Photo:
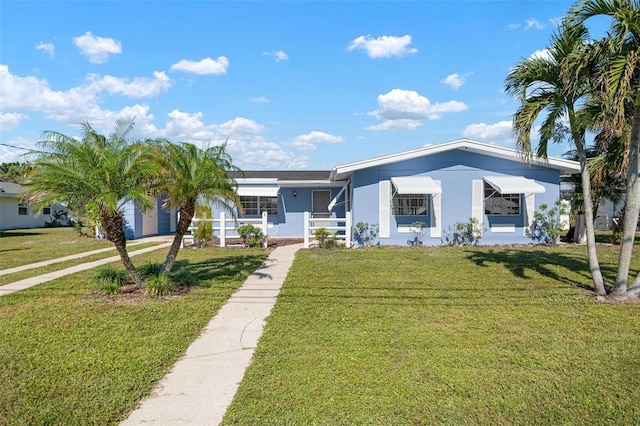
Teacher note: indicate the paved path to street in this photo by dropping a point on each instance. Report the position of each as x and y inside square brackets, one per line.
[202, 384]
[32, 281]
[71, 257]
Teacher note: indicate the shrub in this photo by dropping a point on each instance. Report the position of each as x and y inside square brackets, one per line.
[365, 234]
[161, 285]
[417, 229]
[186, 278]
[109, 279]
[326, 239]
[548, 227]
[464, 233]
[204, 227]
[150, 269]
[252, 236]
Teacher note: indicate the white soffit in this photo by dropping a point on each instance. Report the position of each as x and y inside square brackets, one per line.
[416, 185]
[258, 191]
[514, 185]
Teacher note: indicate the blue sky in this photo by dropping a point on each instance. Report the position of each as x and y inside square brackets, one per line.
[289, 85]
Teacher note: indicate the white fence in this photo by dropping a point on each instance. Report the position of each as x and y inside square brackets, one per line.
[340, 227]
[224, 227]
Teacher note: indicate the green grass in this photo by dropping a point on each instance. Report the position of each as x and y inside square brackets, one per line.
[444, 336]
[23, 246]
[70, 356]
[33, 272]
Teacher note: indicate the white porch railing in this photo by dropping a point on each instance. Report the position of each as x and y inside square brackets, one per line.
[225, 228]
[341, 227]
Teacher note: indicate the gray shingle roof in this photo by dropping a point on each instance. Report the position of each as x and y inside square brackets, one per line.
[284, 175]
[10, 187]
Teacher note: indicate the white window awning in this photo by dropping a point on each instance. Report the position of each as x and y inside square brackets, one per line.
[416, 185]
[514, 185]
[258, 190]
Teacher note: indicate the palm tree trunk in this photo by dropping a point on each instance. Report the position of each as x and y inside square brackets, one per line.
[187, 210]
[594, 265]
[630, 222]
[113, 224]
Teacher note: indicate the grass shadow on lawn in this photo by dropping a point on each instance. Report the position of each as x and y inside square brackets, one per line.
[218, 269]
[555, 264]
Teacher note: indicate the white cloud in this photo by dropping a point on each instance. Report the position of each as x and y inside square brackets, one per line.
[307, 142]
[259, 99]
[402, 124]
[139, 87]
[410, 107]
[48, 48]
[278, 55]
[96, 48]
[501, 130]
[541, 54]
[533, 23]
[239, 127]
[454, 80]
[10, 120]
[514, 26]
[205, 66]
[70, 107]
[384, 46]
[18, 151]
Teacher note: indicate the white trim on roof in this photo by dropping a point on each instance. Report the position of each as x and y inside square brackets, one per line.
[416, 185]
[564, 166]
[514, 185]
[258, 191]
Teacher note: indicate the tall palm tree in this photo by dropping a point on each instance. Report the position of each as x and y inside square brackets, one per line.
[95, 170]
[542, 86]
[623, 79]
[191, 175]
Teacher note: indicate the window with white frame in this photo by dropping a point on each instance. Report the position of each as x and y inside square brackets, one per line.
[410, 204]
[23, 209]
[496, 203]
[254, 205]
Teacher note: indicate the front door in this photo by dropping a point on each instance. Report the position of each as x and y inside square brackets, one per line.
[320, 206]
[150, 220]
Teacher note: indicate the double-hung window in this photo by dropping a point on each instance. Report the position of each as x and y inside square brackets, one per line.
[23, 209]
[254, 205]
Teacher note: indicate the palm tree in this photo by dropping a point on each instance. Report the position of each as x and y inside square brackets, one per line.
[542, 85]
[190, 176]
[622, 76]
[103, 172]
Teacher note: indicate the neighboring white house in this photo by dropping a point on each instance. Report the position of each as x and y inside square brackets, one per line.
[16, 213]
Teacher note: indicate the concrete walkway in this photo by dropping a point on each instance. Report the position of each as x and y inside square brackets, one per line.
[201, 385]
[33, 281]
[78, 255]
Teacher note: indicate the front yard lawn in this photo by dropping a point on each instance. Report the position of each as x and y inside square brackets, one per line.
[23, 246]
[69, 356]
[444, 336]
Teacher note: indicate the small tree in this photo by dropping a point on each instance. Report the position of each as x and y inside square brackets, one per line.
[365, 234]
[417, 229]
[464, 233]
[204, 229]
[548, 226]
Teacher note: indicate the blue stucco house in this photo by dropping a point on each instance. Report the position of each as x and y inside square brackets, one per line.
[437, 185]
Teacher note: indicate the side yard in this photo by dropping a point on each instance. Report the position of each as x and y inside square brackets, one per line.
[444, 336]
